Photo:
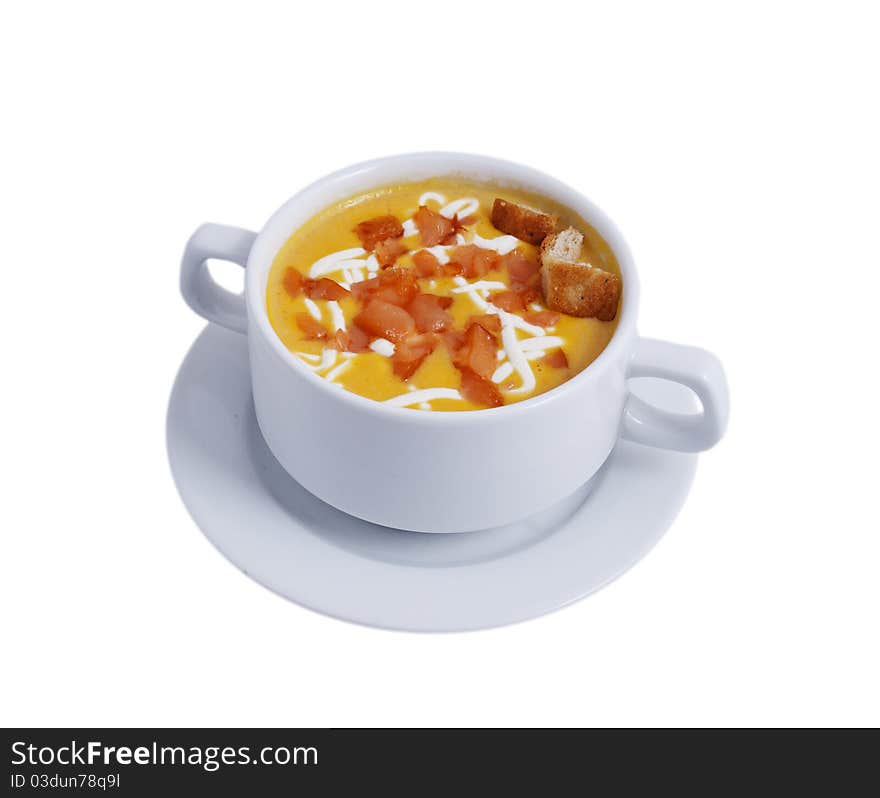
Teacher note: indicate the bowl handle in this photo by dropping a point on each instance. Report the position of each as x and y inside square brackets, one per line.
[697, 369]
[201, 293]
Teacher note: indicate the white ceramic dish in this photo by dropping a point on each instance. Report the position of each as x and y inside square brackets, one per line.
[453, 471]
[301, 548]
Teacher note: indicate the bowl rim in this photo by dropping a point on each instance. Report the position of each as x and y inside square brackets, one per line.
[265, 249]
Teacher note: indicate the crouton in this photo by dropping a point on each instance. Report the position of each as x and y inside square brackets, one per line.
[567, 244]
[573, 286]
[525, 223]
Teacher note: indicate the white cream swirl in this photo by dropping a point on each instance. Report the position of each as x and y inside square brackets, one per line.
[356, 264]
[423, 395]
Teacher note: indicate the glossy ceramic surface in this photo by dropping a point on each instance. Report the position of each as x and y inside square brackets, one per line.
[279, 534]
[434, 471]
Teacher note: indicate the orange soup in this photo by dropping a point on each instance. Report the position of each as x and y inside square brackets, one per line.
[410, 295]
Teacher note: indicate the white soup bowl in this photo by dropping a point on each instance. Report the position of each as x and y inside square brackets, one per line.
[446, 471]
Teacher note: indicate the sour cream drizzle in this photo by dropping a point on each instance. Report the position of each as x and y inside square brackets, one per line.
[424, 395]
[313, 309]
[517, 359]
[334, 373]
[541, 342]
[336, 261]
[440, 252]
[513, 347]
[516, 321]
[501, 244]
[382, 346]
[460, 207]
[432, 195]
[328, 358]
[356, 264]
[337, 316]
[502, 372]
[481, 285]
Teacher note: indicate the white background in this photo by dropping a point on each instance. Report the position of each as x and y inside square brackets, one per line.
[738, 152]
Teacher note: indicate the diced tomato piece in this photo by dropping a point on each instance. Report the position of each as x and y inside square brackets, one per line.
[433, 227]
[325, 288]
[364, 289]
[478, 353]
[457, 226]
[389, 250]
[426, 263]
[311, 328]
[430, 312]
[508, 300]
[464, 255]
[358, 340]
[522, 269]
[529, 293]
[454, 340]
[479, 390]
[475, 261]
[451, 269]
[292, 282]
[485, 262]
[352, 340]
[490, 322]
[390, 294]
[397, 285]
[411, 353]
[556, 359]
[372, 231]
[382, 319]
[542, 318]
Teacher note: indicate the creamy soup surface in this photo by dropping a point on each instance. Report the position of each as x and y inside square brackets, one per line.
[454, 324]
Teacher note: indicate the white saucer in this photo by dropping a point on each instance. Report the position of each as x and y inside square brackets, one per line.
[294, 544]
